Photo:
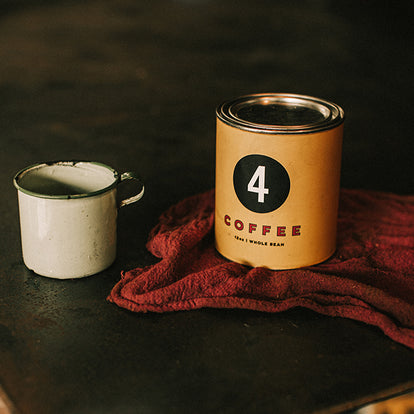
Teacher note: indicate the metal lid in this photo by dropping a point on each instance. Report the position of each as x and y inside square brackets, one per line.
[279, 113]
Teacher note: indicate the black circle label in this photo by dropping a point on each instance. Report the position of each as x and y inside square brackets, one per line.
[261, 183]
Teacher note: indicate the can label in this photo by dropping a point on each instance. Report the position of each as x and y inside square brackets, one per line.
[261, 183]
[276, 195]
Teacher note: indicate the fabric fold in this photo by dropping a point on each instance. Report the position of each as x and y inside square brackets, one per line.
[370, 278]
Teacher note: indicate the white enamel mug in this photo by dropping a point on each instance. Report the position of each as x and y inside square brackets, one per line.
[68, 213]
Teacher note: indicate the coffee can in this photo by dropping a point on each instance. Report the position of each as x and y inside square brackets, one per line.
[278, 162]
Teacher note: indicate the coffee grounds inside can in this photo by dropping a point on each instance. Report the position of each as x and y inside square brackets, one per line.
[278, 160]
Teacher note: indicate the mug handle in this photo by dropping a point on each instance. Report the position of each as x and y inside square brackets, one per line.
[131, 176]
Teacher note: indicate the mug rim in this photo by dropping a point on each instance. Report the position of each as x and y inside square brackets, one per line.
[72, 163]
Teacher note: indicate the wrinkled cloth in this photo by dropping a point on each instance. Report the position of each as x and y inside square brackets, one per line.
[370, 278]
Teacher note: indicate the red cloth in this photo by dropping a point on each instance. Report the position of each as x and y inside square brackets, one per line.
[370, 278]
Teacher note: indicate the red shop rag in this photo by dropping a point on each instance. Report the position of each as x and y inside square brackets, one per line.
[370, 278]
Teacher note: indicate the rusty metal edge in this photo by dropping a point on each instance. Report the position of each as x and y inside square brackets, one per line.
[6, 406]
[371, 399]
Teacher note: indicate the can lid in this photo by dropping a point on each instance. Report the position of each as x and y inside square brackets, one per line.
[279, 113]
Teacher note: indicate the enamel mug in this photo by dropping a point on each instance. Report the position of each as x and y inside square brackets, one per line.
[68, 213]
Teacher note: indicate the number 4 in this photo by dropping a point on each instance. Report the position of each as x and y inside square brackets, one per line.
[259, 178]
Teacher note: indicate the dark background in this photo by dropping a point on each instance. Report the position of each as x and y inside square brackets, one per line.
[135, 84]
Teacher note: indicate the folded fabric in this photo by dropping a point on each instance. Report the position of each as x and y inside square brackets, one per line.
[370, 278]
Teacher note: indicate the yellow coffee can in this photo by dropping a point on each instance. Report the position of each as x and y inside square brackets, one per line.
[278, 163]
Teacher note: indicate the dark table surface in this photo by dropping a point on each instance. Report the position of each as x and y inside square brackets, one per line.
[135, 84]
